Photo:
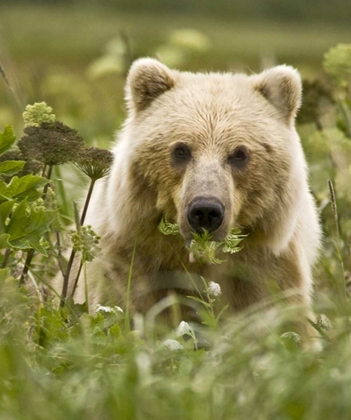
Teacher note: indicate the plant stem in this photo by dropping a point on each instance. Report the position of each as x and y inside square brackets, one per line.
[129, 283]
[6, 257]
[66, 278]
[77, 278]
[73, 252]
[26, 266]
[43, 171]
[87, 201]
[30, 254]
[47, 185]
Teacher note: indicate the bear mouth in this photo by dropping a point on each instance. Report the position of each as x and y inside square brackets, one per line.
[203, 248]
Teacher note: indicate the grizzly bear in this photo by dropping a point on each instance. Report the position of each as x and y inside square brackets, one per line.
[208, 151]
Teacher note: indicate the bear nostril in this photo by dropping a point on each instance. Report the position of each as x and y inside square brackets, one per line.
[205, 213]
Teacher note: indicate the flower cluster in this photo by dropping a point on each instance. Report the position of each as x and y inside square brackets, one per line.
[292, 337]
[173, 345]
[51, 143]
[86, 241]
[37, 114]
[214, 289]
[323, 322]
[94, 162]
[108, 309]
[184, 329]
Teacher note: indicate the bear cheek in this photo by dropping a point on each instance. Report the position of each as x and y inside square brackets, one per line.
[169, 202]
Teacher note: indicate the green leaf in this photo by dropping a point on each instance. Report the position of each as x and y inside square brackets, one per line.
[11, 167]
[7, 139]
[4, 274]
[197, 299]
[76, 216]
[4, 241]
[114, 331]
[168, 228]
[26, 186]
[5, 210]
[26, 227]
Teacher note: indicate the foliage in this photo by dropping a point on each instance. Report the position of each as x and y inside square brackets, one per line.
[337, 63]
[202, 249]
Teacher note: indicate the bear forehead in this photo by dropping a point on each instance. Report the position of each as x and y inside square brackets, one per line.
[217, 107]
[225, 101]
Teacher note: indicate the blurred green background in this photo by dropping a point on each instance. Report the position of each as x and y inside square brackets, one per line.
[75, 54]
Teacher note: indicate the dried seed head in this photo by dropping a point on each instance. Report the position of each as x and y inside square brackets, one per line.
[313, 93]
[51, 143]
[94, 162]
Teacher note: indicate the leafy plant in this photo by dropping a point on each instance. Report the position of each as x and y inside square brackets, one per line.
[202, 249]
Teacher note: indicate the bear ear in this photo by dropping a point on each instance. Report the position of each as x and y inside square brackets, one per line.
[282, 87]
[147, 80]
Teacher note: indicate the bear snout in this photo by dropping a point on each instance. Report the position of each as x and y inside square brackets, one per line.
[205, 213]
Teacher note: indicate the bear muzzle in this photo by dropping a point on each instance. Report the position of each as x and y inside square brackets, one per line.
[205, 213]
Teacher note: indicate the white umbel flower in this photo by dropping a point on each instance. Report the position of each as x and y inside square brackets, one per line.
[184, 329]
[108, 309]
[214, 289]
[292, 336]
[173, 345]
[323, 322]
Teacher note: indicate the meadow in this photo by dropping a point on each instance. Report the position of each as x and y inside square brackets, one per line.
[63, 362]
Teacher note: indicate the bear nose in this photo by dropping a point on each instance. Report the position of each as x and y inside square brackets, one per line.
[205, 213]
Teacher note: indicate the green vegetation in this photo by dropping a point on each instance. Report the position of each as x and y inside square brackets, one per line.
[62, 362]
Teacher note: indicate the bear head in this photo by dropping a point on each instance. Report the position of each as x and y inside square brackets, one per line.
[217, 151]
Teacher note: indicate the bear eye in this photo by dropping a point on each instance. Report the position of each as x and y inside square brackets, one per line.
[181, 152]
[239, 156]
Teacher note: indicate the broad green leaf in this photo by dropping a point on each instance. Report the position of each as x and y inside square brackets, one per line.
[7, 138]
[27, 227]
[11, 167]
[4, 243]
[4, 274]
[114, 331]
[26, 186]
[5, 210]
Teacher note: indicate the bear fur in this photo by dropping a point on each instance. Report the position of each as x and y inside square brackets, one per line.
[225, 137]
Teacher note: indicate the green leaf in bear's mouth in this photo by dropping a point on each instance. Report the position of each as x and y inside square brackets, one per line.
[202, 248]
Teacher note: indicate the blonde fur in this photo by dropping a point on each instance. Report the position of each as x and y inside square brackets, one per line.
[270, 199]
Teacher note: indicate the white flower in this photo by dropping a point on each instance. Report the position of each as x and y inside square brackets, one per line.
[323, 322]
[214, 289]
[108, 309]
[292, 336]
[172, 345]
[184, 328]
[18, 270]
